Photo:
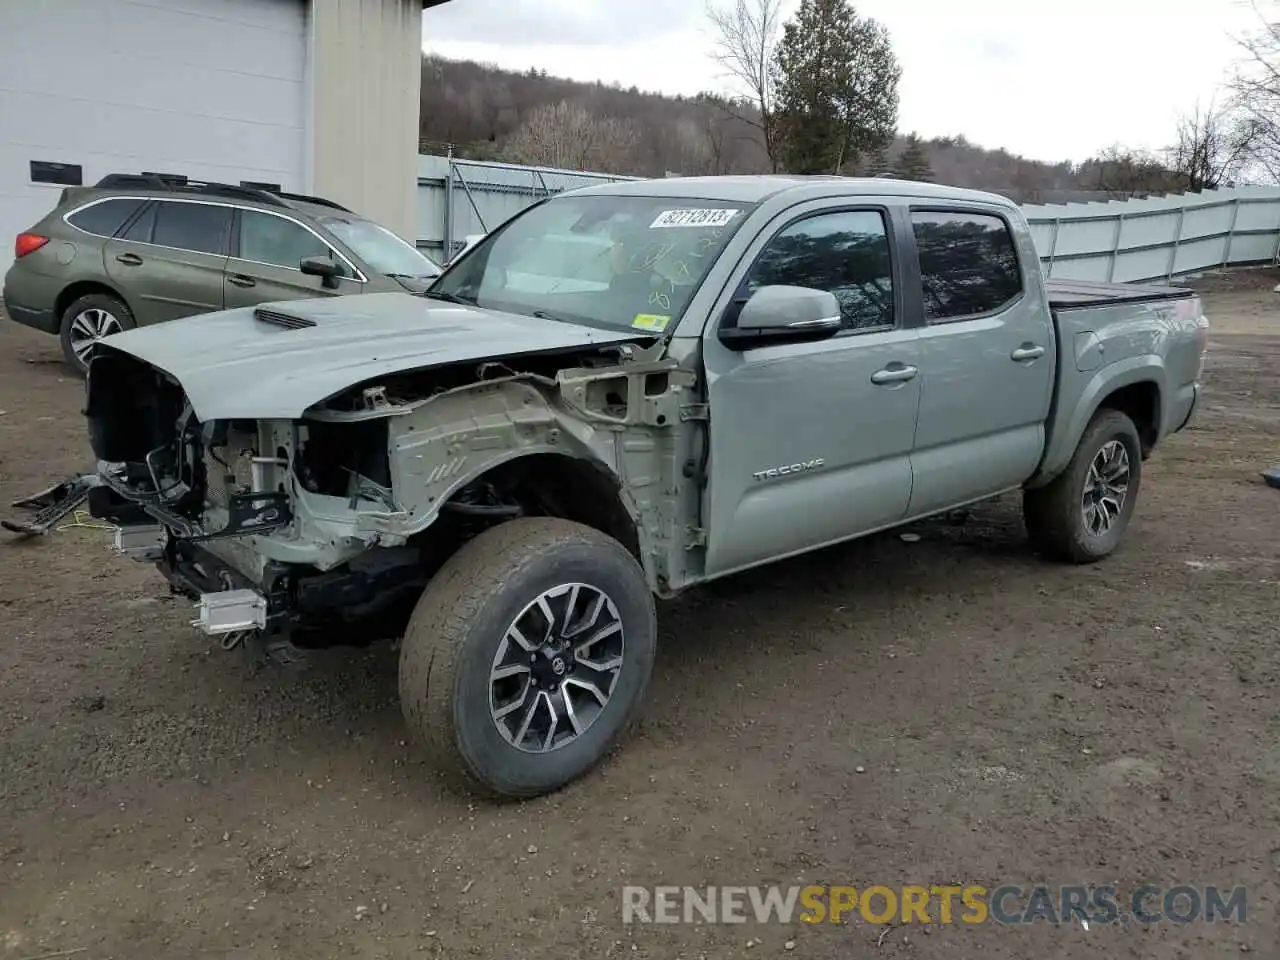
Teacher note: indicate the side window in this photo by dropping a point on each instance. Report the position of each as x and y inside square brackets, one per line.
[968, 263]
[105, 218]
[140, 229]
[269, 239]
[845, 253]
[199, 227]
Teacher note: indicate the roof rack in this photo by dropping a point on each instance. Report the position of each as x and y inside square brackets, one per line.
[175, 183]
[319, 201]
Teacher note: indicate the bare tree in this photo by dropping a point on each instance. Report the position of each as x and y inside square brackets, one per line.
[690, 147]
[746, 34]
[566, 135]
[1214, 146]
[1255, 88]
[1121, 172]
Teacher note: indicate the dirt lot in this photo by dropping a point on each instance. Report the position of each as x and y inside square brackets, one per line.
[951, 710]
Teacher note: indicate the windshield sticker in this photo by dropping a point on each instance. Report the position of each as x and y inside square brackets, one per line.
[693, 218]
[655, 322]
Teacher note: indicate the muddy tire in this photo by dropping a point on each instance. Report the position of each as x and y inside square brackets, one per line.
[1082, 515]
[527, 656]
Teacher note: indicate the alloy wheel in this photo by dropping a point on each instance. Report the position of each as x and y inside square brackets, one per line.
[87, 330]
[1105, 487]
[556, 667]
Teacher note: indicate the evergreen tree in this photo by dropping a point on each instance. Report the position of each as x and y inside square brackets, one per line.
[913, 162]
[876, 162]
[837, 87]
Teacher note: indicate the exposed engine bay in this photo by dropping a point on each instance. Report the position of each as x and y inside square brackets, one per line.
[344, 514]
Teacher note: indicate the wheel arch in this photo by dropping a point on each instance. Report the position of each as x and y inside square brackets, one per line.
[575, 488]
[83, 288]
[1135, 387]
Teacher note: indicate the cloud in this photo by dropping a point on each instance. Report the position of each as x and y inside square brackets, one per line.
[533, 23]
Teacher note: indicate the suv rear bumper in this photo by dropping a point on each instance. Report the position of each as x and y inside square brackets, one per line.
[42, 320]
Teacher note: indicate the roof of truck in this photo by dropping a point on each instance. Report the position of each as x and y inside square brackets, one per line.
[759, 187]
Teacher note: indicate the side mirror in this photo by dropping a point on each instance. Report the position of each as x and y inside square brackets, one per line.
[783, 314]
[329, 271]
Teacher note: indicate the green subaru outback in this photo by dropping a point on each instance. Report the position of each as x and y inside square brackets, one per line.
[134, 250]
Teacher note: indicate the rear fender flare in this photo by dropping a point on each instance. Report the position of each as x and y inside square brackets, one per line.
[1063, 438]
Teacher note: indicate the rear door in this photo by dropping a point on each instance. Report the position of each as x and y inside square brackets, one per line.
[170, 260]
[987, 355]
[267, 251]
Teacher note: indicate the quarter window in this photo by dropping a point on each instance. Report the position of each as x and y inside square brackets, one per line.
[199, 227]
[105, 218]
[140, 230]
[269, 239]
[845, 253]
[968, 264]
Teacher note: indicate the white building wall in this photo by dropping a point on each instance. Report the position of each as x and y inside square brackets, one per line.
[213, 89]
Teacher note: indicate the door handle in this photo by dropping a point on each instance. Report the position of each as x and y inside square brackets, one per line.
[240, 280]
[1027, 352]
[131, 259]
[894, 373]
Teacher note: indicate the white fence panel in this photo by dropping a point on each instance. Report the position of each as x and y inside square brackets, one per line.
[1157, 238]
[1119, 240]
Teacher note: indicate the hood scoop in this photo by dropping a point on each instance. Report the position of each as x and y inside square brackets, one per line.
[279, 319]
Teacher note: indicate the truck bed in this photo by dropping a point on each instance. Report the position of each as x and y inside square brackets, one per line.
[1066, 294]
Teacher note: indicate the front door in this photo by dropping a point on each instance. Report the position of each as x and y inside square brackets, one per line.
[171, 258]
[987, 355]
[265, 258]
[811, 442]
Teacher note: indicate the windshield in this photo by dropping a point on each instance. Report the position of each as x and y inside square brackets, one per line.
[603, 261]
[381, 249]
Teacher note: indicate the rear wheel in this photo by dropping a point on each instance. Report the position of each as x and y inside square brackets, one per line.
[527, 656]
[86, 322]
[1082, 515]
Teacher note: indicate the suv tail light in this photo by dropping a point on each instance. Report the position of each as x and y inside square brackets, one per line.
[27, 243]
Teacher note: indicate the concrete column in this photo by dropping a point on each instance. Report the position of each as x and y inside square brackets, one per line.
[364, 73]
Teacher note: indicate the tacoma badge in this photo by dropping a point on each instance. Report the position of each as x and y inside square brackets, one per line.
[774, 472]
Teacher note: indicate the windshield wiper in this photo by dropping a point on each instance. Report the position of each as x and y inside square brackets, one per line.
[449, 298]
[544, 315]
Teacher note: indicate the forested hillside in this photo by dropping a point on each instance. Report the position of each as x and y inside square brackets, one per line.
[487, 113]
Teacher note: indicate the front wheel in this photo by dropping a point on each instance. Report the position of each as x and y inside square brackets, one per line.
[1082, 515]
[527, 655]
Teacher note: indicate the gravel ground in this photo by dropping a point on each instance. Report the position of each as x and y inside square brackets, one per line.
[950, 710]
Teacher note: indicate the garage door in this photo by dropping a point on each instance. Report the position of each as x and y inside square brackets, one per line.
[213, 89]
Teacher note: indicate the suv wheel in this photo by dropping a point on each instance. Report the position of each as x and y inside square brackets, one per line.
[527, 656]
[86, 321]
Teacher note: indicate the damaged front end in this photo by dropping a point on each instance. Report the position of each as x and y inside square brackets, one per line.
[307, 527]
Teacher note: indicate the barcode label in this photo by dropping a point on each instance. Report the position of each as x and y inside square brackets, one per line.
[693, 218]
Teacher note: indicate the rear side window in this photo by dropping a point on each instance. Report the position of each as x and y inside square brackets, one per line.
[199, 227]
[968, 264]
[105, 218]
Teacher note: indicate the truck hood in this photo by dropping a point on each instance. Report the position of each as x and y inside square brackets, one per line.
[233, 365]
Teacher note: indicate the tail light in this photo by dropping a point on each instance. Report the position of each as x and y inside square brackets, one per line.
[27, 243]
[1202, 341]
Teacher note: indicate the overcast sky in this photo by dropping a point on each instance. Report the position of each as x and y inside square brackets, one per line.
[1050, 79]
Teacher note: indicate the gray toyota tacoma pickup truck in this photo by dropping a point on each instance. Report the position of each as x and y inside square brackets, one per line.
[621, 393]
